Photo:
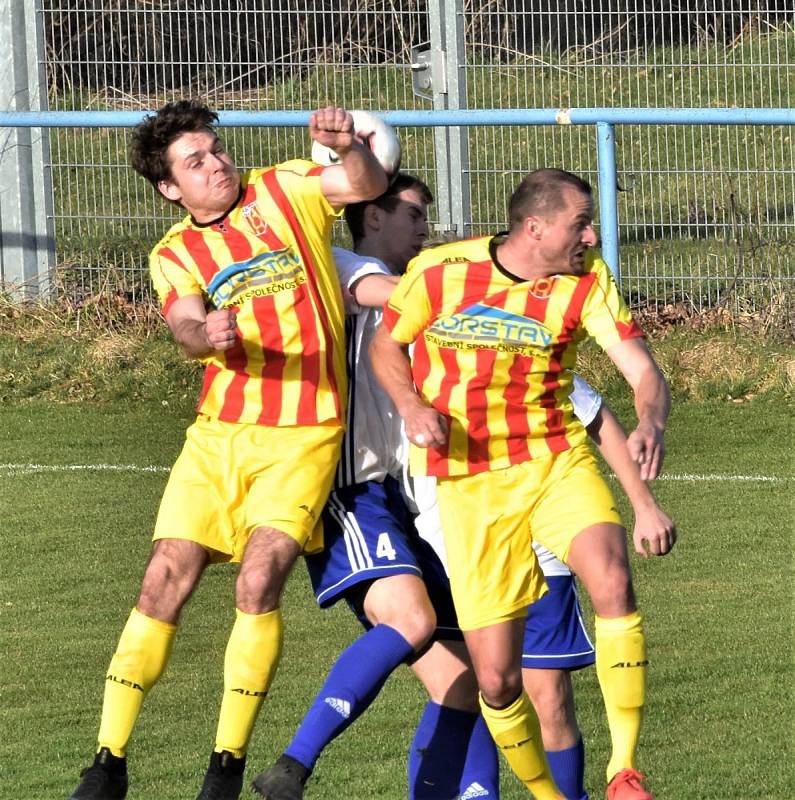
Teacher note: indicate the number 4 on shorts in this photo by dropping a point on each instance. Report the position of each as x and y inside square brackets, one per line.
[384, 547]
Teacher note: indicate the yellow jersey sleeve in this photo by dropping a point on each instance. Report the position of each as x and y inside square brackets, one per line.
[408, 312]
[605, 314]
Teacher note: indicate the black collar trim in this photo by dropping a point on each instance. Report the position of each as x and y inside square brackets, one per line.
[222, 217]
[494, 242]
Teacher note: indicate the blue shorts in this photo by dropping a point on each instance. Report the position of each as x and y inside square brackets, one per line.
[554, 635]
[369, 533]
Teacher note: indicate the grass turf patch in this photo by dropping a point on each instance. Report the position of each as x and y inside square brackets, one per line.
[76, 544]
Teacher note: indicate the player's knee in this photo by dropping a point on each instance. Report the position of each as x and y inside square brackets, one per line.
[614, 595]
[169, 579]
[258, 593]
[497, 688]
[415, 624]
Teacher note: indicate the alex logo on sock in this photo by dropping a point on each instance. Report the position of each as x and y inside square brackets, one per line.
[628, 664]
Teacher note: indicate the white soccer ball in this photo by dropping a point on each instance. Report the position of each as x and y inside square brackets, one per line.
[372, 132]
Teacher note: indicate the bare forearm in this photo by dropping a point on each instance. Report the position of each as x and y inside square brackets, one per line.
[652, 399]
[392, 368]
[366, 177]
[612, 442]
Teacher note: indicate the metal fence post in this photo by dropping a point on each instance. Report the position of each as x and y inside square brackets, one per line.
[27, 242]
[608, 196]
[457, 99]
[448, 69]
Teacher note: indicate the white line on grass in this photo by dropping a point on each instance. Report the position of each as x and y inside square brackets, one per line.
[24, 469]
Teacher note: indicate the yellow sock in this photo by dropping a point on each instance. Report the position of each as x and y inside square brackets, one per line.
[516, 731]
[139, 660]
[252, 655]
[621, 668]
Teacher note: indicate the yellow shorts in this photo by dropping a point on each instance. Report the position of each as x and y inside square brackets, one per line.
[491, 519]
[232, 478]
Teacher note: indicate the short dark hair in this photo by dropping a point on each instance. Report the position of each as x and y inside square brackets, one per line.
[354, 213]
[541, 194]
[151, 137]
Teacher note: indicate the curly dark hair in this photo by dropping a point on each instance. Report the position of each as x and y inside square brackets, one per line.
[354, 213]
[541, 194]
[151, 137]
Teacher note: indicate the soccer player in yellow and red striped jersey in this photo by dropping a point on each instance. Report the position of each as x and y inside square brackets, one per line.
[248, 286]
[496, 323]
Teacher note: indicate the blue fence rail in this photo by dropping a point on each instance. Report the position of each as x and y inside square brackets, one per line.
[605, 120]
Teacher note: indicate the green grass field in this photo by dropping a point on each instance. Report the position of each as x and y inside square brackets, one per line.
[718, 618]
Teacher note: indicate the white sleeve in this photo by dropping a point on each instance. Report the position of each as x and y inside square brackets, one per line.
[586, 401]
[350, 268]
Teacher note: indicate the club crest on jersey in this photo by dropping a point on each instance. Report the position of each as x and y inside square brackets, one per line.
[542, 287]
[254, 219]
[263, 275]
[486, 327]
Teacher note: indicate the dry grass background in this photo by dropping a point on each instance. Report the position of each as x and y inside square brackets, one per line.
[107, 349]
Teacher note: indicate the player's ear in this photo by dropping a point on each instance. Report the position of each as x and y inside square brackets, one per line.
[532, 227]
[373, 217]
[169, 190]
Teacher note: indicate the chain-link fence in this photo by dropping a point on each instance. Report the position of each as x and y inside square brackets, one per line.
[707, 213]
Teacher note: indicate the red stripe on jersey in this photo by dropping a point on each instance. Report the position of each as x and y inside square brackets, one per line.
[434, 288]
[274, 359]
[235, 359]
[515, 396]
[629, 330]
[438, 463]
[200, 253]
[310, 357]
[171, 298]
[573, 313]
[309, 368]
[477, 410]
[555, 436]
[210, 371]
[239, 246]
[167, 252]
[478, 277]
[420, 364]
[315, 171]
[536, 307]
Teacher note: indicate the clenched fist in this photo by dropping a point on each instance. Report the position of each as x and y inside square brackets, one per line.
[221, 329]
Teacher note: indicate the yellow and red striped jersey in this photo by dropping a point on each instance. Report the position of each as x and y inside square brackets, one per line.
[269, 260]
[494, 354]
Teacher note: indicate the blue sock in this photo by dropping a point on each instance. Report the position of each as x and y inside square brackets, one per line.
[352, 684]
[452, 754]
[568, 770]
[482, 768]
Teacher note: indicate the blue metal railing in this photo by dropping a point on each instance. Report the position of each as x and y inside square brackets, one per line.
[605, 120]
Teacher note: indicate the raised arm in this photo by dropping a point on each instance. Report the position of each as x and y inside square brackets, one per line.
[198, 331]
[389, 360]
[652, 524]
[358, 176]
[652, 404]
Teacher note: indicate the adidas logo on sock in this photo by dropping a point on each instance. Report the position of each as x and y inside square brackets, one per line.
[342, 707]
[474, 790]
